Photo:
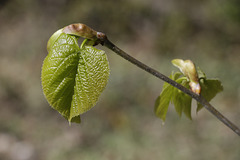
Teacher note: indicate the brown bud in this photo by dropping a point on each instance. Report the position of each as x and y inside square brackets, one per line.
[81, 30]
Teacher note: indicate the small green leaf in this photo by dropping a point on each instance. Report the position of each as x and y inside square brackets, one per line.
[162, 102]
[72, 77]
[177, 100]
[210, 88]
[182, 101]
[176, 75]
[187, 101]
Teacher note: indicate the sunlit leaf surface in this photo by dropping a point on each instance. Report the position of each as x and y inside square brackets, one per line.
[73, 78]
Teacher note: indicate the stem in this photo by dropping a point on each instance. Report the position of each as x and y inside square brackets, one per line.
[104, 41]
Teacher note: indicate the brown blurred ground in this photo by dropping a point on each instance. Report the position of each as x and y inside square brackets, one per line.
[122, 126]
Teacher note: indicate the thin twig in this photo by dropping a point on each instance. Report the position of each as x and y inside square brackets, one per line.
[105, 42]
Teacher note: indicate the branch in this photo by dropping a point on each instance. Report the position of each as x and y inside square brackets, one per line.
[105, 42]
[98, 37]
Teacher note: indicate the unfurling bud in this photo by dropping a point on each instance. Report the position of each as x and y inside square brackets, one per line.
[81, 30]
[188, 68]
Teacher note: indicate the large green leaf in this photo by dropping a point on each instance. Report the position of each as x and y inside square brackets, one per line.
[72, 77]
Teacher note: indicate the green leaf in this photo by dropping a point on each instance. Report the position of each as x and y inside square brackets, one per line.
[176, 75]
[73, 78]
[187, 101]
[182, 101]
[177, 100]
[162, 102]
[209, 89]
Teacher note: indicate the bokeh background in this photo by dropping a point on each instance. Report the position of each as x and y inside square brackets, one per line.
[122, 126]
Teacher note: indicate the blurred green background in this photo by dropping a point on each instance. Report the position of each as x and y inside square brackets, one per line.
[122, 126]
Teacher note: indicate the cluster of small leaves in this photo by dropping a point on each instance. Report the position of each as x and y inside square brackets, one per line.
[181, 101]
[73, 77]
